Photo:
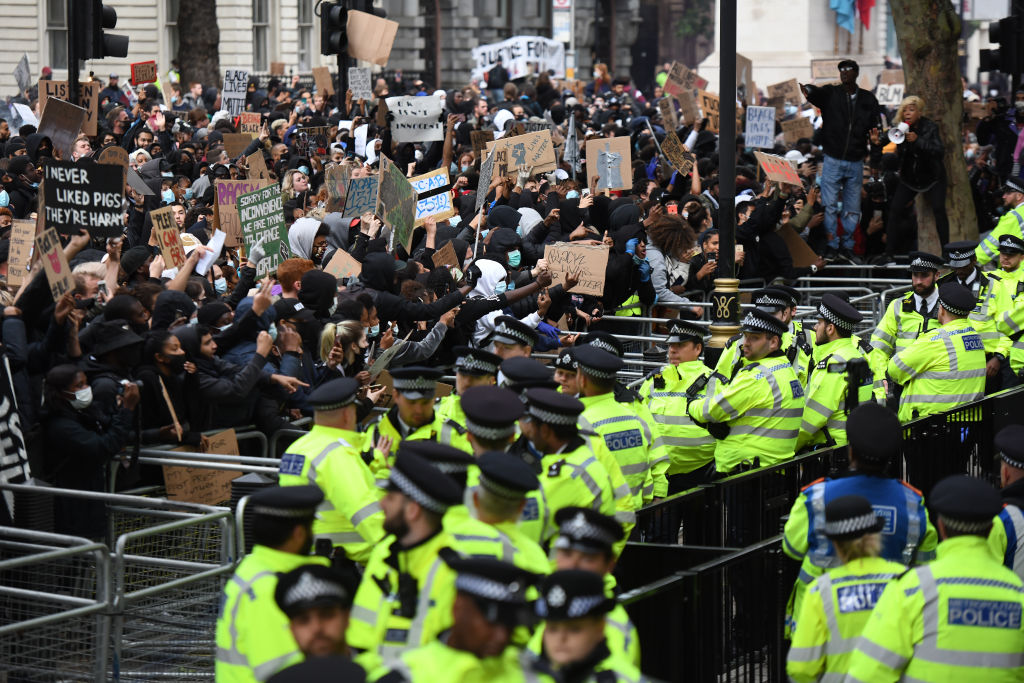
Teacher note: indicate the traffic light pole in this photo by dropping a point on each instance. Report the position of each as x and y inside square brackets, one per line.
[73, 51]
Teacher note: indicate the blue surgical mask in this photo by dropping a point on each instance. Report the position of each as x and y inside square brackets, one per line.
[500, 287]
[514, 258]
[304, 169]
[5, 198]
[167, 174]
[483, 233]
[790, 109]
[511, 286]
[465, 168]
[572, 194]
[373, 331]
[453, 168]
[167, 196]
[272, 331]
[33, 184]
[188, 193]
[223, 328]
[220, 285]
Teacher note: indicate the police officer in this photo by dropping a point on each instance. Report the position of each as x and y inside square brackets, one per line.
[512, 338]
[490, 603]
[690, 447]
[606, 341]
[1012, 222]
[253, 637]
[839, 381]
[473, 368]
[769, 300]
[322, 670]
[756, 417]
[956, 618]
[840, 601]
[961, 258]
[334, 455]
[628, 437]
[521, 373]
[405, 597]
[1007, 537]
[490, 416]
[909, 316]
[908, 536]
[574, 608]
[944, 368]
[797, 344]
[1005, 303]
[317, 603]
[565, 373]
[572, 474]
[413, 415]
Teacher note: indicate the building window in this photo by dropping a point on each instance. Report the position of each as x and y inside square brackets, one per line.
[171, 22]
[57, 33]
[305, 26]
[260, 34]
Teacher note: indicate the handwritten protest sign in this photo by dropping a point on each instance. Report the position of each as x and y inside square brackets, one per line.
[680, 79]
[226, 211]
[745, 88]
[709, 105]
[486, 174]
[88, 97]
[83, 195]
[342, 266]
[61, 123]
[250, 122]
[323, 81]
[480, 138]
[590, 261]
[777, 103]
[610, 159]
[337, 186]
[889, 95]
[688, 107]
[778, 169]
[232, 95]
[668, 113]
[521, 55]
[359, 83]
[261, 215]
[434, 197]
[794, 129]
[370, 37]
[168, 237]
[677, 153]
[201, 485]
[143, 72]
[825, 69]
[890, 76]
[445, 256]
[235, 143]
[114, 155]
[522, 152]
[417, 119]
[362, 196]
[277, 68]
[257, 166]
[313, 139]
[790, 90]
[396, 203]
[760, 129]
[23, 235]
[58, 274]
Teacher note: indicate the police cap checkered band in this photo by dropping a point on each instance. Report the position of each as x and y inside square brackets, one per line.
[474, 364]
[952, 308]
[964, 526]
[1011, 243]
[414, 384]
[309, 589]
[596, 372]
[508, 334]
[577, 528]
[551, 417]
[852, 525]
[922, 261]
[833, 317]
[490, 432]
[604, 345]
[286, 513]
[1010, 444]
[489, 589]
[500, 490]
[682, 331]
[763, 323]
[579, 605]
[1013, 185]
[771, 300]
[957, 299]
[960, 253]
[1012, 461]
[409, 488]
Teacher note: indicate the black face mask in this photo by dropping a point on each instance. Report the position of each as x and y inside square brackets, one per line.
[177, 363]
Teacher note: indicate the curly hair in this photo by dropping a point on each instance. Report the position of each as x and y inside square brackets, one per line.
[673, 236]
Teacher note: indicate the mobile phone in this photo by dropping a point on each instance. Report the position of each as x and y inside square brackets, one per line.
[585, 191]
[672, 209]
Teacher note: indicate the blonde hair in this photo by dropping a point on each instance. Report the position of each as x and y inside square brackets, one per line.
[288, 184]
[909, 99]
[343, 333]
[868, 545]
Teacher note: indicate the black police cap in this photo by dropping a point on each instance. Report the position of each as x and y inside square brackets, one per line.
[1011, 243]
[334, 394]
[684, 331]
[308, 586]
[597, 362]
[1010, 442]
[771, 299]
[419, 480]
[287, 502]
[415, 382]
[923, 262]
[476, 362]
[765, 323]
[849, 517]
[332, 669]
[838, 312]
[966, 504]
[565, 361]
[957, 299]
[587, 530]
[491, 411]
[960, 253]
[572, 594]
[1013, 185]
[505, 475]
[550, 407]
[490, 579]
[448, 459]
[874, 433]
[792, 294]
[509, 330]
[602, 340]
[521, 373]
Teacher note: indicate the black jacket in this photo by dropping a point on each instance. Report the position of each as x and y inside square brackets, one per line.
[921, 160]
[845, 124]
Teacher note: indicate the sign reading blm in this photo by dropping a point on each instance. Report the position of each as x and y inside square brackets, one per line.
[83, 195]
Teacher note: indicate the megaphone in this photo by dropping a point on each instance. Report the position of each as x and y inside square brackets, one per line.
[898, 134]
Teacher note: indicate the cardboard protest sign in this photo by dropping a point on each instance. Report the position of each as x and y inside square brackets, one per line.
[114, 155]
[777, 103]
[417, 119]
[88, 97]
[235, 143]
[313, 139]
[199, 484]
[83, 195]
[486, 174]
[745, 88]
[226, 211]
[668, 113]
[23, 236]
[802, 254]
[250, 122]
[680, 79]
[688, 107]
[825, 69]
[23, 73]
[434, 197]
[480, 138]
[610, 159]
[232, 95]
[362, 196]
[709, 106]
[778, 169]
[343, 266]
[521, 56]
[323, 81]
[58, 273]
[167, 236]
[677, 153]
[143, 72]
[889, 95]
[794, 129]
[760, 128]
[337, 187]
[62, 122]
[522, 152]
[277, 68]
[257, 166]
[396, 204]
[790, 90]
[891, 76]
[359, 83]
[261, 215]
[445, 256]
[369, 37]
[590, 261]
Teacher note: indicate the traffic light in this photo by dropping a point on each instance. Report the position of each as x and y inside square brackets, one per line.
[333, 17]
[89, 19]
[1007, 58]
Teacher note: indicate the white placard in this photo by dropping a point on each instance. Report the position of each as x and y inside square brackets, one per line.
[760, 130]
[518, 53]
[889, 95]
[232, 95]
[417, 119]
[360, 83]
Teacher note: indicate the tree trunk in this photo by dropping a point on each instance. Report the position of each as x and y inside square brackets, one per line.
[198, 42]
[928, 31]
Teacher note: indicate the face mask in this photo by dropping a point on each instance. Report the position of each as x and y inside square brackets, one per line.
[188, 193]
[572, 194]
[465, 168]
[500, 287]
[514, 257]
[790, 109]
[5, 199]
[373, 331]
[484, 233]
[220, 285]
[304, 169]
[193, 321]
[511, 286]
[224, 328]
[33, 184]
[452, 168]
[272, 331]
[167, 174]
[418, 155]
[177, 363]
[167, 196]
[597, 74]
[83, 399]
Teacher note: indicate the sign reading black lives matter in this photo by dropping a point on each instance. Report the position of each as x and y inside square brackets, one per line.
[233, 93]
[84, 195]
